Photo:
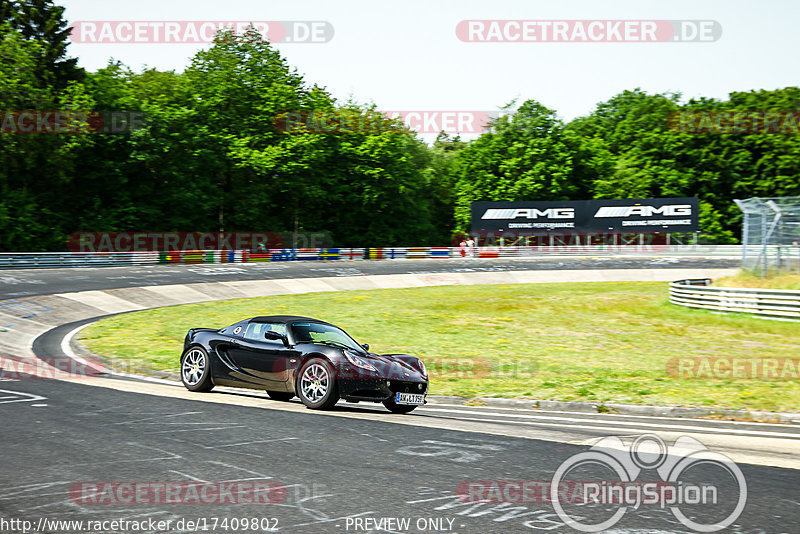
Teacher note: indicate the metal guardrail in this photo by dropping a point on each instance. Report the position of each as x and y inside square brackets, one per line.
[43, 260]
[50, 260]
[387, 253]
[774, 303]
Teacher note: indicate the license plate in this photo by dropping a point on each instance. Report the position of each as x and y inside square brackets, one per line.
[409, 398]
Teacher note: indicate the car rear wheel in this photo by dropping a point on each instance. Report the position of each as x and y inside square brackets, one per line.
[280, 395]
[398, 408]
[317, 386]
[196, 370]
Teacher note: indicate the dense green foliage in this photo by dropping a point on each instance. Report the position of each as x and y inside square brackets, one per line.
[626, 148]
[210, 155]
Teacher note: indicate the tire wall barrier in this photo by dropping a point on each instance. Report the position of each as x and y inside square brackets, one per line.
[37, 260]
[774, 303]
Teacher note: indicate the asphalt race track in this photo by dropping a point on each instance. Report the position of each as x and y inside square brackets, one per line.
[356, 468]
[332, 468]
[25, 283]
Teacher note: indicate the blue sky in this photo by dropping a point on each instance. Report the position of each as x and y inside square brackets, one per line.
[406, 56]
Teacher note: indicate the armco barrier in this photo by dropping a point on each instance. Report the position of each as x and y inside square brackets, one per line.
[697, 293]
[304, 254]
[389, 253]
[44, 260]
[37, 260]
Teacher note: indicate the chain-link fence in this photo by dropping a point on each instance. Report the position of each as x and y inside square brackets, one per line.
[770, 234]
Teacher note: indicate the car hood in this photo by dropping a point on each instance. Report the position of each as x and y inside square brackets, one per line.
[389, 366]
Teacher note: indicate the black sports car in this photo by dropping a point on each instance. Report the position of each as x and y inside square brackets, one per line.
[288, 355]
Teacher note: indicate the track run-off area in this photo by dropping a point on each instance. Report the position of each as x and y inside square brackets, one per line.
[345, 470]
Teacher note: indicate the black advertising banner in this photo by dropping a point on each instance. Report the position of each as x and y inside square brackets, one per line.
[639, 215]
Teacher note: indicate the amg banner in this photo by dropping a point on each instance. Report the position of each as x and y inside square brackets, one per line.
[639, 215]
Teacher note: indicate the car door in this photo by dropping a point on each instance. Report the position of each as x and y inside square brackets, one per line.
[263, 362]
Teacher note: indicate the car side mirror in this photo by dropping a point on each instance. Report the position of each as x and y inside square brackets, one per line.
[366, 346]
[275, 336]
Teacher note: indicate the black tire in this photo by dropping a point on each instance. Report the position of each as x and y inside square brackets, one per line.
[196, 369]
[398, 408]
[280, 395]
[316, 384]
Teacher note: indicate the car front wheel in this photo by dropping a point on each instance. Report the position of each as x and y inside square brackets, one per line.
[317, 387]
[196, 370]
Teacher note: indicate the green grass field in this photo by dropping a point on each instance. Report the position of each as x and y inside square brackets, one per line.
[598, 342]
[749, 279]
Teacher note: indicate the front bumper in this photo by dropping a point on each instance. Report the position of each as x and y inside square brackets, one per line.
[378, 389]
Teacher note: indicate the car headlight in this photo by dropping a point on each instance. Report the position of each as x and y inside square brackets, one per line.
[423, 368]
[358, 361]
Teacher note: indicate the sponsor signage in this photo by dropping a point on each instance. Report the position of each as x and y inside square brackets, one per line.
[640, 215]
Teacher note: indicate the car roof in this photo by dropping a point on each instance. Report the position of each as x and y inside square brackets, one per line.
[285, 319]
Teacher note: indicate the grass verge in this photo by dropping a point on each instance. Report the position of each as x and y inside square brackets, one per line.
[597, 342]
[749, 279]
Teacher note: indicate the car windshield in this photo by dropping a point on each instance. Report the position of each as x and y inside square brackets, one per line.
[325, 334]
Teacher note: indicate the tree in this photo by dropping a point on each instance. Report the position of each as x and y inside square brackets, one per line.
[441, 182]
[525, 156]
[33, 167]
[212, 152]
[237, 88]
[43, 21]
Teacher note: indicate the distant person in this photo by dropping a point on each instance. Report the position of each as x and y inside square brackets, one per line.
[471, 247]
[463, 248]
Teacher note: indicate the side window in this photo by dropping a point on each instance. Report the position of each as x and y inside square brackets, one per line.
[302, 332]
[255, 331]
